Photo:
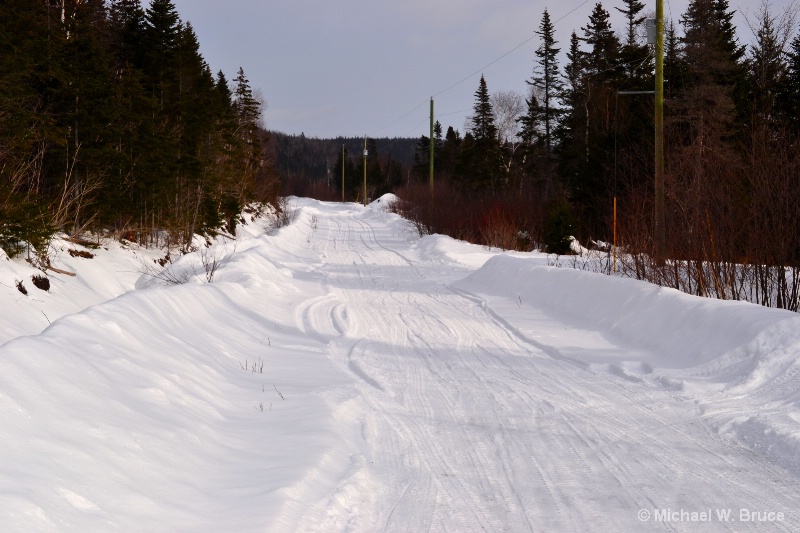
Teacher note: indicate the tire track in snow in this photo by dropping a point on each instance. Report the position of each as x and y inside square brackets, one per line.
[478, 427]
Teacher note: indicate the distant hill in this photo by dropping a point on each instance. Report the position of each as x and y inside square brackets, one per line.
[298, 156]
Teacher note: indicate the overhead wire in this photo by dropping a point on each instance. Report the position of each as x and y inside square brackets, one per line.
[520, 45]
[456, 84]
[405, 135]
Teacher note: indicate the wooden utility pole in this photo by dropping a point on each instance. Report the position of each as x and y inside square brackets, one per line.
[660, 224]
[342, 173]
[365, 171]
[431, 150]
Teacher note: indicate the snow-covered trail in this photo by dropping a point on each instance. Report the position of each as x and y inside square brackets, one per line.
[341, 374]
[460, 421]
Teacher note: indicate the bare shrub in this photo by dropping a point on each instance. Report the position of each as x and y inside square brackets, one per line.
[733, 222]
[285, 214]
[509, 219]
[497, 228]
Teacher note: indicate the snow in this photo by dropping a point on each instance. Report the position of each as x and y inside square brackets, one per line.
[342, 374]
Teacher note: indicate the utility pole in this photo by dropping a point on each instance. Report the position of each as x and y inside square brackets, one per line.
[660, 229]
[365, 171]
[432, 147]
[342, 173]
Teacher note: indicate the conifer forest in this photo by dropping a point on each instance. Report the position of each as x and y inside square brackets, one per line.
[112, 121]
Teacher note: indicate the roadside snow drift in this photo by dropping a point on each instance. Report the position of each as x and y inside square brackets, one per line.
[342, 374]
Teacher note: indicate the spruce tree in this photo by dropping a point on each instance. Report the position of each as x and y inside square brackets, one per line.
[247, 110]
[483, 159]
[110, 116]
[28, 74]
[84, 105]
[714, 78]
[127, 23]
[588, 154]
[451, 150]
[603, 58]
[546, 78]
[530, 122]
[422, 152]
[482, 124]
[572, 131]
[790, 89]
[633, 54]
[631, 11]
[160, 40]
[767, 67]
[674, 64]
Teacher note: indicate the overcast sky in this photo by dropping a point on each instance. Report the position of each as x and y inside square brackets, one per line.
[368, 67]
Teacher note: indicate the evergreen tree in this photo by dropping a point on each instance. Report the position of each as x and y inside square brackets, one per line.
[533, 153]
[546, 78]
[633, 54]
[247, 110]
[767, 67]
[437, 140]
[160, 41]
[111, 118]
[586, 153]
[603, 58]
[674, 64]
[482, 122]
[790, 89]
[422, 157]
[530, 123]
[483, 162]
[714, 77]
[127, 24]
[573, 131]
[83, 104]
[27, 77]
[422, 152]
[451, 152]
[631, 11]
[421, 166]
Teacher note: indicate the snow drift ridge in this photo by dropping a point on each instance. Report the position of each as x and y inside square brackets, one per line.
[677, 330]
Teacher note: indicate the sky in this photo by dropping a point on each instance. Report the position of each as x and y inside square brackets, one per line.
[369, 67]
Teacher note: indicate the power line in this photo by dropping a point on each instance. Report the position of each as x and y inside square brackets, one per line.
[397, 139]
[520, 45]
[452, 113]
[398, 120]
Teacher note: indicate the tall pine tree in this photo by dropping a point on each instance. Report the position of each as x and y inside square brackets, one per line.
[482, 162]
[546, 78]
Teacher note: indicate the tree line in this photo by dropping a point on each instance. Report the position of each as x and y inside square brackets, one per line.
[549, 164]
[113, 121]
[314, 167]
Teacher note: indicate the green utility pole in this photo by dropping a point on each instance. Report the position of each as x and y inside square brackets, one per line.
[432, 146]
[660, 229]
[342, 173]
[365, 171]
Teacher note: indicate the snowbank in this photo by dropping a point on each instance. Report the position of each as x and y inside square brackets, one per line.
[100, 273]
[384, 202]
[676, 329]
[334, 376]
[729, 357]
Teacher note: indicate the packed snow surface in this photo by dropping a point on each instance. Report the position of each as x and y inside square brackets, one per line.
[342, 374]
